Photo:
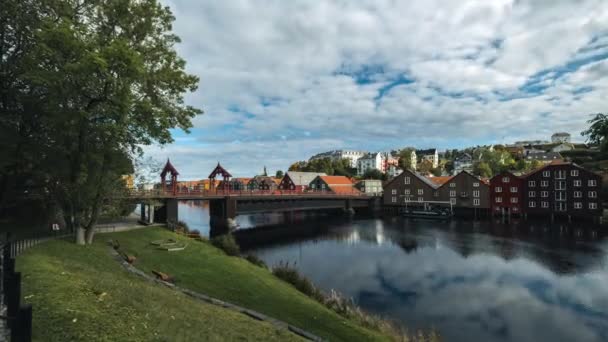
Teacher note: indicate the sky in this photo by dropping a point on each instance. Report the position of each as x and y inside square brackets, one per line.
[283, 80]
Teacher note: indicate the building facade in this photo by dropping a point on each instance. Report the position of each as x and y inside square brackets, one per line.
[563, 189]
[334, 184]
[298, 181]
[409, 189]
[463, 163]
[371, 161]
[506, 194]
[465, 190]
[370, 186]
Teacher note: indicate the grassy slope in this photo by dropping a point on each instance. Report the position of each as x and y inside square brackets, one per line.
[203, 268]
[66, 283]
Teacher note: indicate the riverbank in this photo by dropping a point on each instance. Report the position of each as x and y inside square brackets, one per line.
[82, 294]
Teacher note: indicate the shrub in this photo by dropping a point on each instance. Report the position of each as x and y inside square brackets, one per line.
[290, 274]
[183, 225]
[226, 243]
[256, 261]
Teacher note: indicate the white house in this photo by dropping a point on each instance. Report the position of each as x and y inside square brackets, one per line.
[563, 147]
[393, 171]
[430, 154]
[351, 155]
[560, 137]
[371, 161]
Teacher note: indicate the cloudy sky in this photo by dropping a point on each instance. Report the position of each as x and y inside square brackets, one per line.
[282, 80]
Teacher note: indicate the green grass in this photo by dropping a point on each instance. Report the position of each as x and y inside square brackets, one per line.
[206, 269]
[83, 294]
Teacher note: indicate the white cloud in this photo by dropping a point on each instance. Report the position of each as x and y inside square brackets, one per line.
[289, 68]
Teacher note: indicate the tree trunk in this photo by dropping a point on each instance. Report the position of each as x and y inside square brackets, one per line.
[90, 233]
[80, 236]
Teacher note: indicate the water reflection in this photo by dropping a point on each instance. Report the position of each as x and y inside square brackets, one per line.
[473, 281]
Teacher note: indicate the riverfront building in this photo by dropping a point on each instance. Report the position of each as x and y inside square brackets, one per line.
[466, 191]
[298, 181]
[506, 194]
[334, 184]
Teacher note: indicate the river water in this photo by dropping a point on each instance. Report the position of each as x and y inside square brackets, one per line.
[471, 281]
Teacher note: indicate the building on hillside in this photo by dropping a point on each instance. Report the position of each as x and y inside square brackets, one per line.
[506, 194]
[371, 161]
[531, 142]
[561, 188]
[463, 163]
[298, 181]
[351, 155]
[560, 137]
[465, 191]
[370, 187]
[544, 157]
[563, 147]
[516, 152]
[431, 155]
[334, 184]
[389, 159]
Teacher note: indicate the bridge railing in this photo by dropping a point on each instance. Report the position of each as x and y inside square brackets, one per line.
[241, 193]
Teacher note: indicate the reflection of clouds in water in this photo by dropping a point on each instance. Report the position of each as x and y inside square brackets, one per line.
[479, 297]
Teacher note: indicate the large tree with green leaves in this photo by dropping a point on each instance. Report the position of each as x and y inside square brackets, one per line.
[101, 79]
[597, 133]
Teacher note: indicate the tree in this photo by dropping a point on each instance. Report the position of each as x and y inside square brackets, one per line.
[482, 169]
[597, 133]
[425, 167]
[96, 81]
[279, 174]
[373, 174]
[405, 159]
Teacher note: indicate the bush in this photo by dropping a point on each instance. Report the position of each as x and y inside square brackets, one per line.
[256, 261]
[183, 225]
[290, 274]
[226, 243]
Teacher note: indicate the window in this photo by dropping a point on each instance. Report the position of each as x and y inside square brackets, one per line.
[420, 191]
[544, 204]
[546, 173]
[323, 187]
[475, 193]
[592, 194]
[560, 206]
[577, 182]
[452, 201]
[498, 199]
[476, 201]
[592, 182]
[419, 199]
[578, 205]
[498, 189]
[452, 185]
[544, 194]
[532, 204]
[407, 180]
[560, 196]
[574, 173]
[531, 193]
[394, 199]
[560, 185]
[476, 185]
[452, 193]
[406, 191]
[592, 205]
[514, 200]
[531, 184]
[578, 194]
[505, 179]
[513, 189]
[394, 191]
[544, 184]
[560, 174]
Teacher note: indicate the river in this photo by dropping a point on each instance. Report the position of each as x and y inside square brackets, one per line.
[470, 280]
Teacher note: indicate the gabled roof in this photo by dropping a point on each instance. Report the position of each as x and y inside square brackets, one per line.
[336, 180]
[169, 169]
[303, 178]
[427, 151]
[556, 163]
[219, 170]
[415, 174]
[440, 180]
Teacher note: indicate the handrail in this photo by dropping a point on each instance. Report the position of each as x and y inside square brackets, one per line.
[242, 193]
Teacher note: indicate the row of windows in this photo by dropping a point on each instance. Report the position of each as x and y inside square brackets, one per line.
[561, 206]
[576, 182]
[576, 194]
[513, 200]
[499, 189]
[476, 201]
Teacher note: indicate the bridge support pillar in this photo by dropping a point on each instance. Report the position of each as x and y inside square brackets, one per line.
[171, 210]
[147, 213]
[348, 207]
[222, 213]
